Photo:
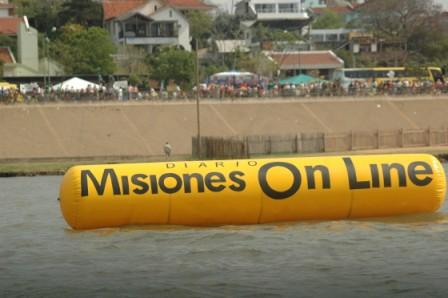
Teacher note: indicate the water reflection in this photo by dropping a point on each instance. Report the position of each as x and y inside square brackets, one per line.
[376, 257]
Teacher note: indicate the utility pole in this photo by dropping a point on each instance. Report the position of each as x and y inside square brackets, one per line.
[198, 117]
[46, 73]
[48, 64]
[47, 42]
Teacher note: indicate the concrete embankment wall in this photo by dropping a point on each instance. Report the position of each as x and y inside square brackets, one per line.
[78, 130]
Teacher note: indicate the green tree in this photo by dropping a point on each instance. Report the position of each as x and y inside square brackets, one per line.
[132, 60]
[200, 26]
[84, 50]
[84, 12]
[329, 20]
[10, 42]
[397, 19]
[211, 69]
[429, 46]
[356, 60]
[410, 25]
[226, 26]
[263, 33]
[173, 64]
[42, 14]
[257, 63]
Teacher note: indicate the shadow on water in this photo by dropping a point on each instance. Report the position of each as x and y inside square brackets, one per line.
[424, 218]
[411, 220]
[167, 228]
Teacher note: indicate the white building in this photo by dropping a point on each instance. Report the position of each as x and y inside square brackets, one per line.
[285, 15]
[6, 8]
[150, 23]
[331, 36]
[275, 13]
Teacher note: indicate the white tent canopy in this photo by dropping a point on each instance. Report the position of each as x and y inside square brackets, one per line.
[75, 84]
[232, 74]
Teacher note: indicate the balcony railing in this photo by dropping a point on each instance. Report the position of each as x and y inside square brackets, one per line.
[132, 34]
[288, 10]
[266, 10]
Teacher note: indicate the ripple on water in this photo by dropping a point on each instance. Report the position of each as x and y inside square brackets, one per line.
[41, 257]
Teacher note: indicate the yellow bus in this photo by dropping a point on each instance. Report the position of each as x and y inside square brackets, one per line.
[380, 74]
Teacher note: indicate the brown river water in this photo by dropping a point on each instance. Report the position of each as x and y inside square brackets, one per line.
[41, 257]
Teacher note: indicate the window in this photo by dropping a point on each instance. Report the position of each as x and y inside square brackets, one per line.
[317, 37]
[163, 30]
[265, 8]
[141, 30]
[130, 30]
[359, 74]
[288, 7]
[332, 37]
[155, 30]
[136, 29]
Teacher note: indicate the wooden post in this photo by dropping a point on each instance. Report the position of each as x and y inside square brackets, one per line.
[429, 132]
[401, 138]
[294, 144]
[297, 143]
[269, 145]
[325, 142]
[352, 141]
[378, 139]
[444, 133]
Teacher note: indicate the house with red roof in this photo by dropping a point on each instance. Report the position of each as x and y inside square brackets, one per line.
[6, 9]
[8, 21]
[26, 62]
[6, 55]
[150, 23]
[9, 25]
[324, 63]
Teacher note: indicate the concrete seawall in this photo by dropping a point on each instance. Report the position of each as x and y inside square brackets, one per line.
[77, 130]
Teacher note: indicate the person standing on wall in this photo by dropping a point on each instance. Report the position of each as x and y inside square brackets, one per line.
[167, 149]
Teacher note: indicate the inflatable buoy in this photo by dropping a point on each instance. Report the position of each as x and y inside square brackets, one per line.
[207, 193]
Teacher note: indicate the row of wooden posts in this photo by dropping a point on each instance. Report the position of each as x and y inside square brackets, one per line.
[247, 146]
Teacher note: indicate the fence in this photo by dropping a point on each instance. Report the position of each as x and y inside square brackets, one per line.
[241, 147]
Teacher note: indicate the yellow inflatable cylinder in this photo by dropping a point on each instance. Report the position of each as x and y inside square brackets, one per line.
[208, 193]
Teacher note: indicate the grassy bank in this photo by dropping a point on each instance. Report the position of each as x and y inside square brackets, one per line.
[18, 168]
[37, 168]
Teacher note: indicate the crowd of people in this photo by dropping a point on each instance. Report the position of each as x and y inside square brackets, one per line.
[364, 88]
[232, 91]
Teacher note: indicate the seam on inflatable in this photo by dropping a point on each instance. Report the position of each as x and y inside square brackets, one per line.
[349, 215]
[442, 183]
[261, 209]
[77, 196]
[168, 219]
